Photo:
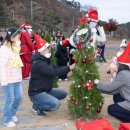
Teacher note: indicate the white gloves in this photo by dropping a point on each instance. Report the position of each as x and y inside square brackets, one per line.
[96, 81]
[72, 50]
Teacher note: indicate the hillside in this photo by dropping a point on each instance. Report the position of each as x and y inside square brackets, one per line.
[46, 14]
[123, 31]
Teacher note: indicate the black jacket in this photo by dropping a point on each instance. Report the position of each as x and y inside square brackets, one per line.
[62, 53]
[42, 73]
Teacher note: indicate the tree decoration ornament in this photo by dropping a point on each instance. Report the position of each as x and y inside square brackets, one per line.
[86, 97]
[79, 45]
[74, 58]
[76, 103]
[87, 36]
[87, 84]
[91, 40]
[102, 102]
[73, 82]
[91, 62]
[86, 71]
[90, 104]
[87, 107]
[79, 86]
[92, 55]
[83, 20]
[98, 110]
[89, 59]
[73, 99]
[89, 47]
[84, 85]
[84, 61]
[90, 86]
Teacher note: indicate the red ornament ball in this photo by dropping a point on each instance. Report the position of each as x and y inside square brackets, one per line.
[87, 107]
[73, 98]
[89, 59]
[84, 61]
[91, 63]
[98, 110]
[102, 102]
[91, 40]
[76, 103]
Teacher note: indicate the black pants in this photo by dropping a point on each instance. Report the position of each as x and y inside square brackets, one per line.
[62, 63]
[118, 111]
[102, 53]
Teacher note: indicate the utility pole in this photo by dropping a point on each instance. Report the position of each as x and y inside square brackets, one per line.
[31, 10]
[73, 22]
[13, 12]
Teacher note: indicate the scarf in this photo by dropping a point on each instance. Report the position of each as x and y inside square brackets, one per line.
[15, 59]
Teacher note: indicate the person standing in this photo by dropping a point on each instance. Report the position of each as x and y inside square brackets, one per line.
[11, 76]
[62, 58]
[100, 52]
[27, 48]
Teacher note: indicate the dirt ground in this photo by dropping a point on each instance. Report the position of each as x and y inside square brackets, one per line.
[61, 117]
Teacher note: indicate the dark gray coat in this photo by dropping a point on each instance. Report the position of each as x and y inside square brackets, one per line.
[121, 85]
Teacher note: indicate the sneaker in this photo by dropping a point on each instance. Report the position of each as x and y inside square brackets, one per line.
[66, 79]
[15, 119]
[59, 79]
[10, 124]
[37, 112]
[105, 64]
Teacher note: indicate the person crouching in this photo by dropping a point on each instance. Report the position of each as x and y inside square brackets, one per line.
[41, 92]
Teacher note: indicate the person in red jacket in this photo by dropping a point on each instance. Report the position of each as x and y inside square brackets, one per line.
[27, 48]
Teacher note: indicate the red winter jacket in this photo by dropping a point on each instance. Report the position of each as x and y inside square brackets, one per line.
[26, 43]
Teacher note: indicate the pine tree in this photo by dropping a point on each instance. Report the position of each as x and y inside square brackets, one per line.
[5, 20]
[47, 37]
[54, 62]
[85, 99]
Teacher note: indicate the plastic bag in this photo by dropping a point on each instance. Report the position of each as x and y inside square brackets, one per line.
[124, 126]
[101, 124]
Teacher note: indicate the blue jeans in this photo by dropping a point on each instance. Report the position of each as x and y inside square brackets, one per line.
[48, 101]
[13, 96]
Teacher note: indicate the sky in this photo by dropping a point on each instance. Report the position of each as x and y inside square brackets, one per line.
[116, 9]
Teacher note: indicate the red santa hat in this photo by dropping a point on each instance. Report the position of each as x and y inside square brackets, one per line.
[26, 25]
[125, 57]
[40, 43]
[92, 15]
[65, 42]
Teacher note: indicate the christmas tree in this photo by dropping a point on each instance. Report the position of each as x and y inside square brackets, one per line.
[85, 99]
[53, 58]
[54, 62]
